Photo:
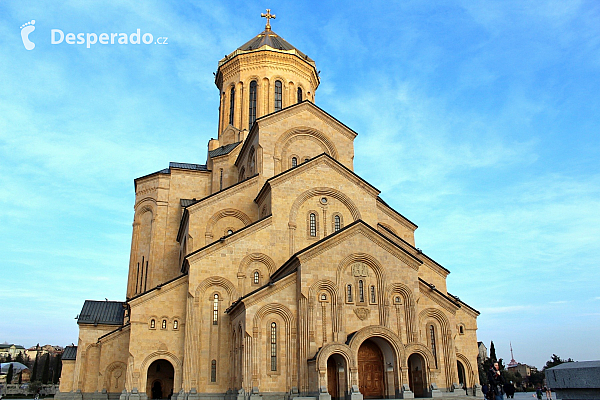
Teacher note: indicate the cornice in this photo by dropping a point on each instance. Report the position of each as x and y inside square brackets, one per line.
[158, 290]
[395, 215]
[437, 297]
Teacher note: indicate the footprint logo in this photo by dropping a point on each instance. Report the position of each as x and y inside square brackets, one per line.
[26, 29]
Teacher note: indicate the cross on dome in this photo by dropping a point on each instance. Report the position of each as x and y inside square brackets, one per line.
[268, 16]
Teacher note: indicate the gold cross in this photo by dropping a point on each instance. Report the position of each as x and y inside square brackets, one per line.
[268, 16]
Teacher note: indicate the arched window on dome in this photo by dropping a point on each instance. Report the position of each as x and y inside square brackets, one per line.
[299, 95]
[278, 95]
[252, 106]
[231, 105]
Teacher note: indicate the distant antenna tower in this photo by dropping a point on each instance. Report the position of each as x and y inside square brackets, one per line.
[512, 362]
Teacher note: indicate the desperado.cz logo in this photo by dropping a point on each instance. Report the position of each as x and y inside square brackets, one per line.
[57, 36]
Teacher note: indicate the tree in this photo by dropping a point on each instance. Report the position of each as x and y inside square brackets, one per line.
[493, 352]
[57, 368]
[536, 378]
[46, 370]
[9, 375]
[34, 370]
[20, 358]
[554, 361]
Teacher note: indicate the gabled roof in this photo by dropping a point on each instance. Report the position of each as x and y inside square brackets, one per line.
[70, 353]
[102, 312]
[221, 151]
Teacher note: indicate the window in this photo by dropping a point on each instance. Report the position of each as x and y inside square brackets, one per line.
[213, 371]
[299, 95]
[164, 324]
[461, 329]
[251, 161]
[229, 231]
[231, 105]
[372, 292]
[216, 309]
[252, 110]
[221, 180]
[361, 291]
[337, 223]
[175, 325]
[349, 293]
[152, 323]
[432, 342]
[323, 297]
[313, 224]
[294, 162]
[277, 95]
[306, 159]
[273, 346]
[397, 300]
[256, 277]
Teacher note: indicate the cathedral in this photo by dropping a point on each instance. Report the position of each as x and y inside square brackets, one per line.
[273, 270]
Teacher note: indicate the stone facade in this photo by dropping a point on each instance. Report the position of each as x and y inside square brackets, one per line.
[274, 270]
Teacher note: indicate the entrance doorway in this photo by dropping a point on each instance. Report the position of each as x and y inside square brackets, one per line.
[159, 384]
[416, 375]
[336, 377]
[462, 380]
[370, 370]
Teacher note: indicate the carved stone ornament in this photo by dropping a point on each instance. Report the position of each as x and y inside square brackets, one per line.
[360, 270]
[361, 312]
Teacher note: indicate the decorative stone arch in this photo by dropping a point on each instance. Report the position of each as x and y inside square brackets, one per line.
[162, 355]
[470, 374]
[410, 308]
[447, 345]
[422, 350]
[114, 377]
[341, 350]
[389, 228]
[302, 132]
[331, 288]
[227, 212]
[216, 281]
[257, 257]
[145, 205]
[274, 308]
[323, 285]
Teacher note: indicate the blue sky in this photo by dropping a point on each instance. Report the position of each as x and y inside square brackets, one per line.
[477, 120]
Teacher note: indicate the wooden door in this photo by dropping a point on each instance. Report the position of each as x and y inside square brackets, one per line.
[417, 380]
[370, 370]
[332, 378]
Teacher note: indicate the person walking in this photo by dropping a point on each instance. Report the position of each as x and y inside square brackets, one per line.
[548, 393]
[496, 382]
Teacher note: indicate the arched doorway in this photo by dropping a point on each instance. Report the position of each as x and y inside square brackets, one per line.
[417, 379]
[336, 377]
[462, 377]
[159, 384]
[370, 370]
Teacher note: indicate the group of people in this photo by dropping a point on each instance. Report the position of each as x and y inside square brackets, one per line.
[497, 386]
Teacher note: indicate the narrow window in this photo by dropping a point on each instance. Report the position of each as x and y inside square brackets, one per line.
[313, 224]
[373, 294]
[461, 329]
[251, 161]
[164, 324]
[252, 110]
[349, 293]
[152, 324]
[323, 297]
[337, 223]
[221, 180]
[277, 95]
[213, 371]
[242, 174]
[294, 161]
[216, 309]
[256, 278]
[306, 159]
[361, 291]
[231, 105]
[273, 346]
[175, 324]
[432, 341]
[299, 95]
[229, 231]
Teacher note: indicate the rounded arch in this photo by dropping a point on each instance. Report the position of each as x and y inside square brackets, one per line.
[438, 316]
[257, 257]
[470, 374]
[409, 303]
[304, 131]
[334, 348]
[274, 308]
[162, 355]
[324, 191]
[323, 285]
[422, 350]
[445, 336]
[114, 377]
[378, 331]
[227, 212]
[216, 281]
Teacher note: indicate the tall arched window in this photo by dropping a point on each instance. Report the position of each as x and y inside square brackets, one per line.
[273, 346]
[313, 224]
[251, 162]
[349, 293]
[164, 324]
[252, 106]
[299, 95]
[175, 325]
[152, 323]
[373, 294]
[278, 95]
[213, 371]
[216, 309]
[256, 277]
[432, 343]
[231, 105]
[361, 291]
[294, 161]
[337, 223]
